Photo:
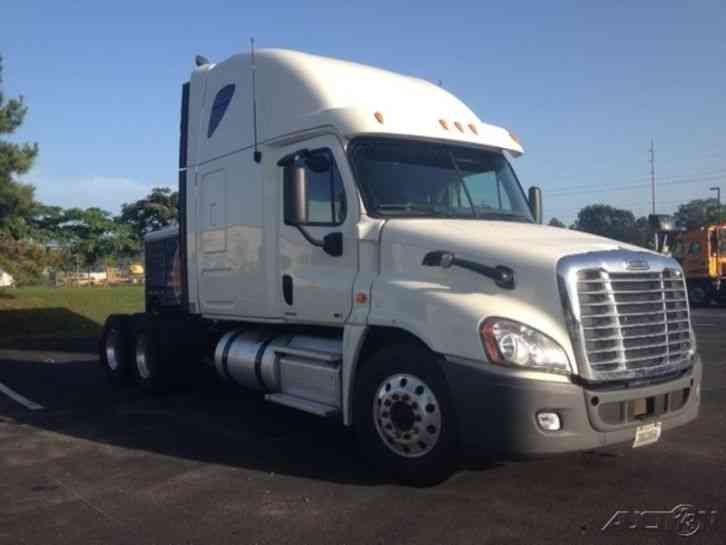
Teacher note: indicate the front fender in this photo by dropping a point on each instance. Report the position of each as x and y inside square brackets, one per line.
[447, 319]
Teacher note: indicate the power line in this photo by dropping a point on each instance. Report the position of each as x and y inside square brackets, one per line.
[568, 175]
[678, 181]
[643, 179]
[638, 208]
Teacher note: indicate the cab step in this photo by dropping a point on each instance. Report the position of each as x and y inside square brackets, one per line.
[312, 407]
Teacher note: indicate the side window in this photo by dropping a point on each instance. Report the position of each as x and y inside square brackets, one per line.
[219, 107]
[324, 194]
[713, 242]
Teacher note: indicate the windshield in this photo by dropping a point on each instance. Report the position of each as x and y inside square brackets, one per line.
[418, 179]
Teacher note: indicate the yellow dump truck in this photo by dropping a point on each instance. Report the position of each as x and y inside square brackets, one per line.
[702, 254]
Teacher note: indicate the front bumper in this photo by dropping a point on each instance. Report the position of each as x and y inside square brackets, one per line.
[496, 409]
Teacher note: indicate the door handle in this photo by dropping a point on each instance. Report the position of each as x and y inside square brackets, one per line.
[287, 288]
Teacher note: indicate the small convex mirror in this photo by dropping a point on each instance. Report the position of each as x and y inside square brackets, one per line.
[535, 203]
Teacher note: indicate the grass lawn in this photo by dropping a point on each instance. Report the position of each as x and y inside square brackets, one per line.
[58, 312]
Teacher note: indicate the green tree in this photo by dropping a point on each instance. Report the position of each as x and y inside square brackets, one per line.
[93, 236]
[608, 221]
[697, 213]
[16, 198]
[554, 222]
[45, 224]
[156, 210]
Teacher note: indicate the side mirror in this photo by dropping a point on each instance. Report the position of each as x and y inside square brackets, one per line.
[333, 244]
[662, 222]
[535, 203]
[294, 194]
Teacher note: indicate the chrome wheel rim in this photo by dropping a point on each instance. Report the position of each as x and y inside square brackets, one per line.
[142, 365]
[407, 415]
[113, 358]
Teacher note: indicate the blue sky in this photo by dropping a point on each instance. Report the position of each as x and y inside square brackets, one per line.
[584, 87]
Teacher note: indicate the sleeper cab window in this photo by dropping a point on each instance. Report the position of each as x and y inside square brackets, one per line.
[219, 107]
[325, 202]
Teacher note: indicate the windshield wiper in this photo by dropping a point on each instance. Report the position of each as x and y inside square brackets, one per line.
[409, 207]
[504, 216]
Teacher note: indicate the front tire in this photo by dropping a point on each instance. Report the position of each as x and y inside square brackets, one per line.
[403, 415]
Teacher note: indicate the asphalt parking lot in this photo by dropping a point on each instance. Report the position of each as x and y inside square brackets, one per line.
[81, 462]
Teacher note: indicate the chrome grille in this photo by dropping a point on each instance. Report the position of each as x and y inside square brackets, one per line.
[633, 323]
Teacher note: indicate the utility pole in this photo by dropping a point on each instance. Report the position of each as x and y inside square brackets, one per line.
[718, 201]
[652, 186]
[652, 173]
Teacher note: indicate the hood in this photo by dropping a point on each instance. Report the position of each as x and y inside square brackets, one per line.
[447, 302]
[498, 242]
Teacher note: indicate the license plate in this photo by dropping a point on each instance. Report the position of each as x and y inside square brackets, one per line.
[646, 434]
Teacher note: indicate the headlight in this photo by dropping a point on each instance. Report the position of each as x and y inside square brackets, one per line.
[511, 343]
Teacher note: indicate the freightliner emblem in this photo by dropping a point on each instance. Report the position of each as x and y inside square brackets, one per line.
[637, 265]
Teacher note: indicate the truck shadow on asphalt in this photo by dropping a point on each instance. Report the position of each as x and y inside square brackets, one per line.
[29, 323]
[212, 422]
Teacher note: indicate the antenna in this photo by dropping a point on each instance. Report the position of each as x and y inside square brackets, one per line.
[257, 155]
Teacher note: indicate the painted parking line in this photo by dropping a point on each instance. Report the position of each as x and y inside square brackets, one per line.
[15, 396]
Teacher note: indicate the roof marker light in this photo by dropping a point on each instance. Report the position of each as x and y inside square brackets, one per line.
[514, 137]
[444, 124]
[459, 126]
[379, 117]
[473, 128]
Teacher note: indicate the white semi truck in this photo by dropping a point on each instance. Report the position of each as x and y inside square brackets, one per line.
[355, 244]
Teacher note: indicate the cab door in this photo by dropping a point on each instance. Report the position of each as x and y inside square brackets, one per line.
[316, 285]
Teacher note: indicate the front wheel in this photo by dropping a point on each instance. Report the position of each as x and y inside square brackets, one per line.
[403, 415]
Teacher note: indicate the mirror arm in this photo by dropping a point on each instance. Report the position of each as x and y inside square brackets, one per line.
[307, 236]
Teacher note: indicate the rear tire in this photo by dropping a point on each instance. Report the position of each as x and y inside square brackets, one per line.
[116, 349]
[149, 358]
[699, 294]
[403, 416]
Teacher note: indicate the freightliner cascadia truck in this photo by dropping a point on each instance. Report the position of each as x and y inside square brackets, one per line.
[355, 244]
